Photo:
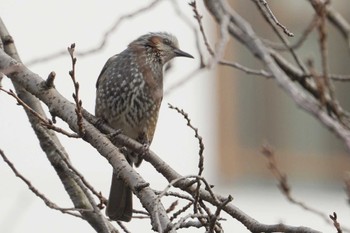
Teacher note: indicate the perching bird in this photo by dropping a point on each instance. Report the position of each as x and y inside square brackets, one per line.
[128, 97]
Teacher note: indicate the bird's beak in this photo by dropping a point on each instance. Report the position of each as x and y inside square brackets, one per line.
[180, 53]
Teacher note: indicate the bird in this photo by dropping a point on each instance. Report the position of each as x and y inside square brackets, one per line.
[129, 92]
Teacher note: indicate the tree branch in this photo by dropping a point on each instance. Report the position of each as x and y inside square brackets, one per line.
[241, 29]
[49, 142]
[54, 100]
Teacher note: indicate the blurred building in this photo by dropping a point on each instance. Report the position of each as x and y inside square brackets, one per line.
[255, 111]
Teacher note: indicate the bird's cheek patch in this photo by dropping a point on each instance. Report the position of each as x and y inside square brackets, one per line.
[156, 42]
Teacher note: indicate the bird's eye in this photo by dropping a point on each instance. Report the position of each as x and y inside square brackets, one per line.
[166, 41]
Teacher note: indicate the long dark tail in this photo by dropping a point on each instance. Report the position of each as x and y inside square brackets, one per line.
[119, 205]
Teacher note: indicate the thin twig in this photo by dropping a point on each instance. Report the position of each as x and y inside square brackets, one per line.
[339, 22]
[336, 224]
[216, 216]
[320, 9]
[141, 212]
[314, 22]
[189, 223]
[285, 30]
[47, 202]
[171, 184]
[340, 77]
[245, 69]
[172, 206]
[207, 187]
[199, 17]
[180, 211]
[196, 196]
[202, 208]
[284, 186]
[200, 139]
[183, 220]
[175, 194]
[189, 22]
[320, 84]
[271, 22]
[297, 75]
[104, 40]
[45, 122]
[78, 102]
[123, 227]
[102, 199]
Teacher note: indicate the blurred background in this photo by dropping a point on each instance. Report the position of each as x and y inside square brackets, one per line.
[235, 113]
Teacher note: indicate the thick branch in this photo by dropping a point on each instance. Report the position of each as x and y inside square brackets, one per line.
[187, 185]
[50, 144]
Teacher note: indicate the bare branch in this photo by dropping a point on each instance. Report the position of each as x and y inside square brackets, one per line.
[270, 20]
[301, 84]
[213, 219]
[198, 17]
[49, 142]
[337, 20]
[47, 202]
[103, 145]
[180, 211]
[285, 30]
[340, 77]
[285, 187]
[174, 194]
[241, 30]
[335, 222]
[320, 85]
[200, 139]
[45, 122]
[193, 27]
[176, 180]
[123, 227]
[184, 223]
[104, 39]
[320, 9]
[78, 102]
[314, 22]
[296, 75]
[247, 70]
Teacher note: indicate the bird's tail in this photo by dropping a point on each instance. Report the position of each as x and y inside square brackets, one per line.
[119, 205]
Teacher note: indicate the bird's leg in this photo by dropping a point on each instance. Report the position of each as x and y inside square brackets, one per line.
[146, 146]
[114, 134]
[124, 151]
[144, 149]
[100, 122]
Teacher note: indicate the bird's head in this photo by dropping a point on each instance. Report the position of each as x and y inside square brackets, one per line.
[164, 45]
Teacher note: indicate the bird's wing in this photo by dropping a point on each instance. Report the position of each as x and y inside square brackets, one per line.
[109, 61]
